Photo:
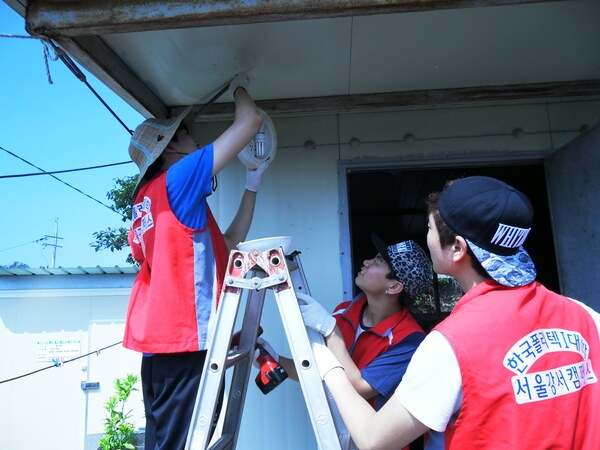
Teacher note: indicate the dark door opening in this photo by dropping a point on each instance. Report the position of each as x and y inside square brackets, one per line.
[390, 202]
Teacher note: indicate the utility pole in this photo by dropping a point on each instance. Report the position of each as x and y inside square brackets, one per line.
[55, 245]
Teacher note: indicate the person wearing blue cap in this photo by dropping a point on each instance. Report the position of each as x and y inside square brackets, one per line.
[512, 367]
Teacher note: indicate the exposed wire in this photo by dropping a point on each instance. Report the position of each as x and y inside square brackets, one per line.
[26, 243]
[58, 179]
[54, 52]
[59, 363]
[22, 175]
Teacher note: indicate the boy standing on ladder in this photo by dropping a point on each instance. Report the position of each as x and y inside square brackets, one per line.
[182, 256]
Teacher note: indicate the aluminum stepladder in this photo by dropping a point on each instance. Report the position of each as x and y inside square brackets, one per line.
[269, 269]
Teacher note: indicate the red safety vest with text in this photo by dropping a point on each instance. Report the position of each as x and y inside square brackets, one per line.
[177, 288]
[527, 359]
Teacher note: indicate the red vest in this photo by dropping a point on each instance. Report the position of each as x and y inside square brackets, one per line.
[376, 340]
[181, 271]
[525, 356]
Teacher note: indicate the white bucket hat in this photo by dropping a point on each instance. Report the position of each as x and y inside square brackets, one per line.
[149, 140]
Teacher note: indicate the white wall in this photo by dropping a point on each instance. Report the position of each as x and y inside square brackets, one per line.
[303, 192]
[48, 409]
[303, 195]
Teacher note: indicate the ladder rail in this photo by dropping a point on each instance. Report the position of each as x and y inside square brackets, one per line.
[213, 373]
[301, 285]
[241, 373]
[269, 269]
[308, 373]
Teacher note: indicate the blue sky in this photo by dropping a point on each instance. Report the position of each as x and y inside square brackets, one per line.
[57, 126]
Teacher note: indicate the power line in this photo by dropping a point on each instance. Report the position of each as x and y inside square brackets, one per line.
[59, 362]
[26, 243]
[58, 53]
[58, 179]
[22, 175]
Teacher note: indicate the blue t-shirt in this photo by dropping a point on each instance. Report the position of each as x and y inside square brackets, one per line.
[385, 372]
[189, 182]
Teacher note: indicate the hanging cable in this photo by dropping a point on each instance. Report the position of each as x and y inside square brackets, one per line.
[23, 175]
[81, 77]
[58, 362]
[58, 179]
[46, 48]
[53, 52]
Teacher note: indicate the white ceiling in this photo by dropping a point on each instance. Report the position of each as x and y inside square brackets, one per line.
[506, 50]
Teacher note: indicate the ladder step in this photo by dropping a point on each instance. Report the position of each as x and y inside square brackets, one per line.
[237, 356]
[225, 441]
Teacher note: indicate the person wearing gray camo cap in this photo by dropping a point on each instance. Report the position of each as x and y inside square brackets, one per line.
[374, 335]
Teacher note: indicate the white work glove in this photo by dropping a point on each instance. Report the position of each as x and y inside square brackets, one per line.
[260, 342]
[325, 359]
[315, 316]
[254, 177]
[242, 81]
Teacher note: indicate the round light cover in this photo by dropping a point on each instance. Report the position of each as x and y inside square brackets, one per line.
[285, 242]
[262, 147]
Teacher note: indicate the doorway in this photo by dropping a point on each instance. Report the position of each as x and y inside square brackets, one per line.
[390, 202]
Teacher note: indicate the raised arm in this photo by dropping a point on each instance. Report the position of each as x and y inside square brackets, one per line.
[246, 124]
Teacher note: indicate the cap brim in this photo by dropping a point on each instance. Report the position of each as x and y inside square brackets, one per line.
[512, 270]
[381, 249]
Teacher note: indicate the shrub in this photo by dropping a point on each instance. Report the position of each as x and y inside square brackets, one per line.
[119, 431]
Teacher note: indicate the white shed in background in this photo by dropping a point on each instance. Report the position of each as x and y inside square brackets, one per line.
[60, 343]
[60, 334]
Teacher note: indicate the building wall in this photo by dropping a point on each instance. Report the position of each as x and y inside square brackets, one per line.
[303, 192]
[303, 196]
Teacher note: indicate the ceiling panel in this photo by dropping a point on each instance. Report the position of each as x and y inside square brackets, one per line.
[160, 54]
[284, 59]
[529, 43]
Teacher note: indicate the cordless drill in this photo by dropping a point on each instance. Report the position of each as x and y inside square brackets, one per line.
[270, 374]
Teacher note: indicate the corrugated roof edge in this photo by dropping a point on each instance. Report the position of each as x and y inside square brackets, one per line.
[97, 270]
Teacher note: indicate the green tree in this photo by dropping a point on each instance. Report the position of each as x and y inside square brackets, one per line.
[16, 265]
[115, 239]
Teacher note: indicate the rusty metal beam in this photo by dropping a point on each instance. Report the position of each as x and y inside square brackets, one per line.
[93, 54]
[55, 18]
[391, 100]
